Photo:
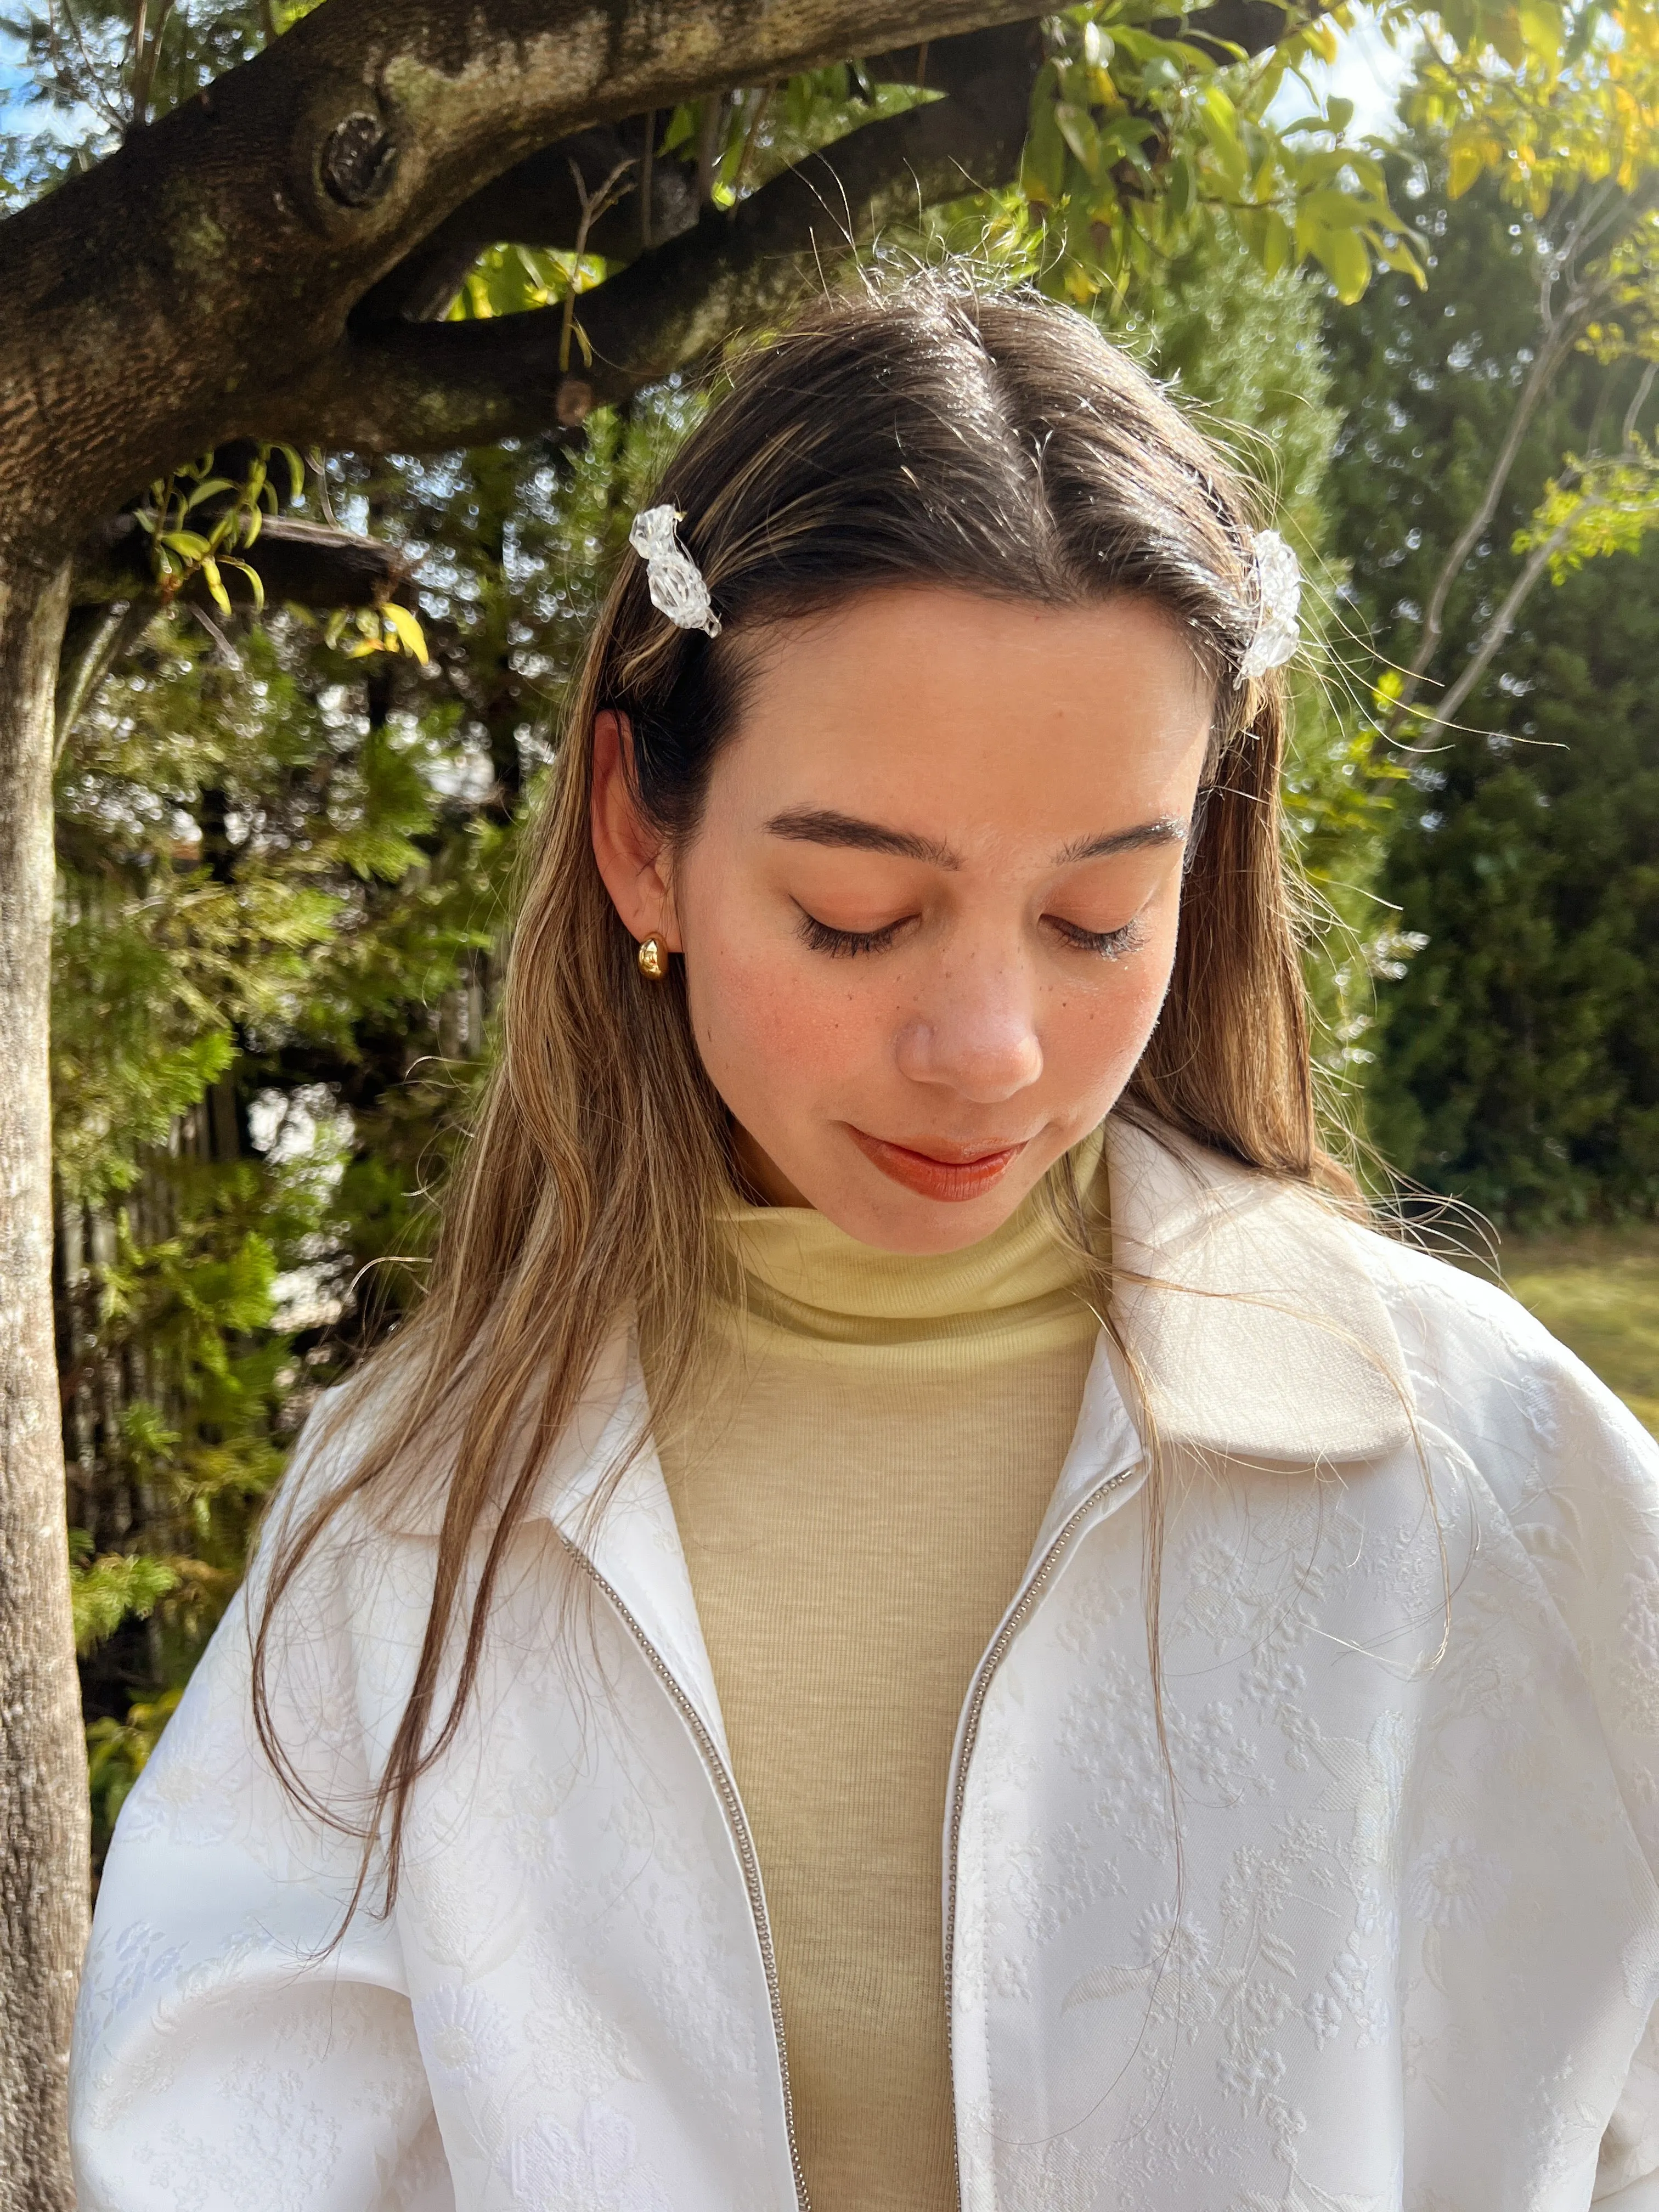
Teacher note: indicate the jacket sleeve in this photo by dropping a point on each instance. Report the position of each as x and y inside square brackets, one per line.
[1591, 1525]
[1577, 1477]
[230, 2056]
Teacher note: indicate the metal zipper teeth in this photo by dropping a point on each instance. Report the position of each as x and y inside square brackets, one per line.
[731, 1804]
[977, 1696]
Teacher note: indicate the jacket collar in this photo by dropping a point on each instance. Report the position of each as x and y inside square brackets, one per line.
[1248, 1320]
[1246, 1325]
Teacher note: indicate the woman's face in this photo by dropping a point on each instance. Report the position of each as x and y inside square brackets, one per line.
[929, 914]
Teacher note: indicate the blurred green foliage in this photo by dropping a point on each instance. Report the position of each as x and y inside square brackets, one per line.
[1518, 1060]
[282, 870]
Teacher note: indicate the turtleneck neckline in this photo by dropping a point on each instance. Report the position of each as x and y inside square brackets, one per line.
[806, 1276]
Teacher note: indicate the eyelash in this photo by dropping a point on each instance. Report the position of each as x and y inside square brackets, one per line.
[1106, 944]
[847, 944]
[843, 943]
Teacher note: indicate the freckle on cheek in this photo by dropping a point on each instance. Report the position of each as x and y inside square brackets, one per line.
[762, 1016]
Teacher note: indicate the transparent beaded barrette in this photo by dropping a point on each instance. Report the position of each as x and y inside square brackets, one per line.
[1278, 604]
[671, 576]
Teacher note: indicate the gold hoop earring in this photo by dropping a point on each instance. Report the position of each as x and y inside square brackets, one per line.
[653, 957]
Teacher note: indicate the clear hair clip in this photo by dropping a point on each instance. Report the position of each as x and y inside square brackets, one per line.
[671, 576]
[1278, 604]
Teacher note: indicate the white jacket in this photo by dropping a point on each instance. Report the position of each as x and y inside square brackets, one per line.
[1405, 1955]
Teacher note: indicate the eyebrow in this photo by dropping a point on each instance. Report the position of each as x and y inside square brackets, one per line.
[823, 825]
[1167, 830]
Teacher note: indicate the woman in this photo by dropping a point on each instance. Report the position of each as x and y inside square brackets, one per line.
[923, 1616]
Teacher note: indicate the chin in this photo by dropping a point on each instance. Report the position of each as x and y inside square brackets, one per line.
[895, 1220]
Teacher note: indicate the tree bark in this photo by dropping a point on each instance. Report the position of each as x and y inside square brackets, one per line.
[44, 1864]
[426, 387]
[218, 254]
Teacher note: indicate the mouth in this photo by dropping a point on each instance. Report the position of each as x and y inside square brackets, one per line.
[938, 1168]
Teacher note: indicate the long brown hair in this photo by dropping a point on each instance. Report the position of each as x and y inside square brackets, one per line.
[1000, 446]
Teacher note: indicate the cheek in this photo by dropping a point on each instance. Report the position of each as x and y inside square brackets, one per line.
[1095, 1036]
[771, 1024]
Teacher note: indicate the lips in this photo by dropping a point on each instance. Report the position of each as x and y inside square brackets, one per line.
[951, 1172]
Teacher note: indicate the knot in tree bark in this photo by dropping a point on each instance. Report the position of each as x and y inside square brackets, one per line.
[357, 160]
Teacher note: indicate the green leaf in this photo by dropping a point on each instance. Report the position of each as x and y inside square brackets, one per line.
[1336, 211]
[1124, 139]
[1470, 153]
[296, 466]
[1077, 128]
[1172, 57]
[255, 582]
[1346, 260]
[215, 583]
[120, 1586]
[1042, 169]
[407, 630]
[1396, 254]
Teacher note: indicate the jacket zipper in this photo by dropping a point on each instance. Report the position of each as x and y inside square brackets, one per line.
[1013, 1621]
[732, 1805]
[737, 1821]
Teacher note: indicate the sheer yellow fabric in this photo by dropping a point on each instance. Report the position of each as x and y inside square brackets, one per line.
[858, 1489]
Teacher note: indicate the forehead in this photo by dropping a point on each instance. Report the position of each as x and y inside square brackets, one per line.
[968, 717]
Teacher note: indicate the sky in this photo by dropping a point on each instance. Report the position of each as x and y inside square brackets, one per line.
[1366, 70]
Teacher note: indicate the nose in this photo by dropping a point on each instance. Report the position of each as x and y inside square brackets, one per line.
[977, 1036]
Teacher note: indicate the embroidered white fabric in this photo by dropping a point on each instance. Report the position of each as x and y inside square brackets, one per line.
[1278, 606]
[671, 576]
[1409, 1962]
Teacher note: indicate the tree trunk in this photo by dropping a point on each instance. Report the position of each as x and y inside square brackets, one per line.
[43, 1795]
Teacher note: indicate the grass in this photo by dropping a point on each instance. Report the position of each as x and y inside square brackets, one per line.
[1598, 1290]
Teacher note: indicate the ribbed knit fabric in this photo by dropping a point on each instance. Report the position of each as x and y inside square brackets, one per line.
[858, 1492]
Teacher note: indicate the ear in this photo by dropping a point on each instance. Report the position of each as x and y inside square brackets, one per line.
[633, 860]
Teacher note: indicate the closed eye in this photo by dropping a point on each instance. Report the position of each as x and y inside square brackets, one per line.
[843, 943]
[847, 944]
[1105, 943]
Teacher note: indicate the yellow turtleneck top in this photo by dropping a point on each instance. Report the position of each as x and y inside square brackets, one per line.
[858, 1491]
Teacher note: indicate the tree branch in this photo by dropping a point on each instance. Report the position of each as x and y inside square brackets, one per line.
[226, 244]
[114, 592]
[533, 204]
[1249, 26]
[1504, 618]
[94, 639]
[435, 386]
[301, 562]
[1561, 329]
[1502, 624]
[1547, 360]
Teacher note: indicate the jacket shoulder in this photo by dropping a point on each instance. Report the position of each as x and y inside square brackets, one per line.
[1487, 1373]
